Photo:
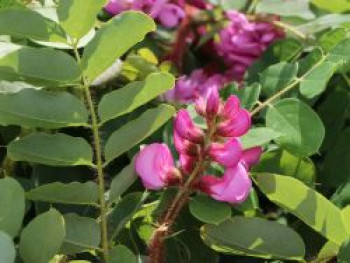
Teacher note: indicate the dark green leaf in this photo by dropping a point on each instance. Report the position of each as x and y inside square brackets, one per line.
[256, 237]
[42, 238]
[12, 206]
[102, 51]
[344, 252]
[121, 254]
[83, 233]
[51, 149]
[39, 108]
[132, 96]
[135, 131]
[209, 210]
[72, 193]
[301, 128]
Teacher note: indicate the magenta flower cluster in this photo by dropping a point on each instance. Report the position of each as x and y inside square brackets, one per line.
[165, 12]
[242, 42]
[197, 148]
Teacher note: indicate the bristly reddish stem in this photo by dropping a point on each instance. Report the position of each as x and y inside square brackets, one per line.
[156, 246]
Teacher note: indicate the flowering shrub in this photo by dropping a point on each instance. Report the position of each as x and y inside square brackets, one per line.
[167, 131]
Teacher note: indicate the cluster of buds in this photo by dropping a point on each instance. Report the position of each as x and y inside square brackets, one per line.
[198, 148]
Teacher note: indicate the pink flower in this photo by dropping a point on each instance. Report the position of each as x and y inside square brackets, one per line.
[236, 121]
[242, 42]
[251, 156]
[115, 7]
[234, 187]
[187, 163]
[227, 154]
[185, 128]
[188, 88]
[155, 166]
[207, 105]
[184, 146]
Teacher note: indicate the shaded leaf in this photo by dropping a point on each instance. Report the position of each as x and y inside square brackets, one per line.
[7, 248]
[64, 150]
[121, 254]
[344, 252]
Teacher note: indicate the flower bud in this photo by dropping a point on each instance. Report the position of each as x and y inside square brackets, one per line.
[234, 187]
[155, 166]
[207, 105]
[184, 146]
[251, 156]
[227, 154]
[186, 129]
[187, 163]
[235, 125]
[231, 107]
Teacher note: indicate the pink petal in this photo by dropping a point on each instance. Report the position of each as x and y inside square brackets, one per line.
[227, 154]
[235, 126]
[185, 127]
[251, 156]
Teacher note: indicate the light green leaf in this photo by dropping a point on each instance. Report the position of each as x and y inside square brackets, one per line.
[255, 237]
[332, 38]
[123, 212]
[301, 128]
[42, 238]
[83, 233]
[51, 149]
[7, 248]
[129, 28]
[335, 6]
[323, 22]
[317, 79]
[12, 206]
[295, 8]
[135, 131]
[344, 252]
[209, 210]
[73, 193]
[340, 53]
[121, 254]
[133, 95]
[277, 77]
[39, 108]
[303, 202]
[51, 67]
[233, 5]
[121, 182]
[7, 87]
[283, 163]
[258, 137]
[29, 24]
[77, 17]
[346, 216]
[329, 250]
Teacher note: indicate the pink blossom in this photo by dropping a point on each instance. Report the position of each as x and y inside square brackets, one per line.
[242, 42]
[234, 187]
[186, 129]
[187, 163]
[207, 104]
[184, 146]
[227, 154]
[251, 156]
[155, 166]
[168, 14]
[188, 88]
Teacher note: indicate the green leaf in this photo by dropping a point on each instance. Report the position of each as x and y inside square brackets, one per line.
[331, 38]
[340, 53]
[73, 193]
[83, 233]
[323, 22]
[51, 149]
[42, 238]
[209, 210]
[77, 17]
[301, 128]
[329, 250]
[317, 79]
[255, 237]
[39, 108]
[123, 213]
[335, 6]
[12, 206]
[277, 77]
[133, 95]
[344, 252]
[308, 205]
[101, 53]
[295, 8]
[248, 96]
[283, 163]
[233, 5]
[51, 67]
[121, 254]
[29, 24]
[341, 197]
[135, 131]
[7, 248]
[121, 182]
[258, 137]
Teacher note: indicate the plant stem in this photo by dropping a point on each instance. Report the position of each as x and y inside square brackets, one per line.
[98, 156]
[290, 28]
[292, 85]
